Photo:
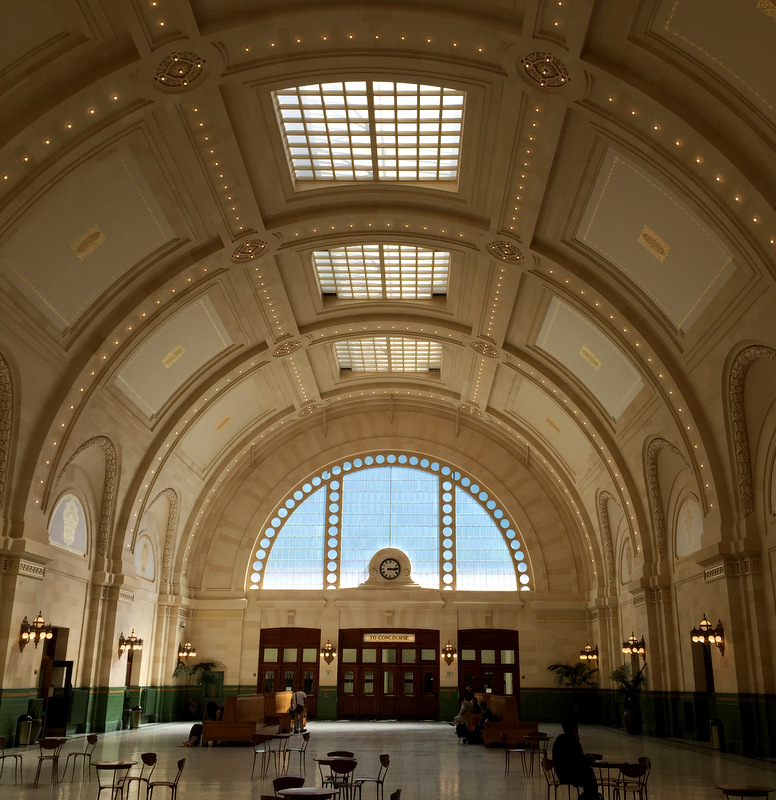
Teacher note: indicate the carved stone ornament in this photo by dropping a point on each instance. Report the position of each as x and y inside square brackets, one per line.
[606, 532]
[6, 411]
[169, 535]
[467, 408]
[309, 409]
[545, 70]
[485, 348]
[505, 251]
[738, 371]
[179, 71]
[248, 250]
[653, 486]
[286, 348]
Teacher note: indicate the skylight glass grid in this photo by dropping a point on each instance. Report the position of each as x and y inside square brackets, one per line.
[388, 354]
[367, 130]
[382, 271]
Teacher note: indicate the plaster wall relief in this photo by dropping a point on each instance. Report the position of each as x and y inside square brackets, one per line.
[6, 414]
[145, 558]
[606, 534]
[688, 527]
[171, 496]
[626, 563]
[741, 448]
[654, 491]
[67, 526]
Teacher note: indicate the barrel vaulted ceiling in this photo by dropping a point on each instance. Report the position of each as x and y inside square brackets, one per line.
[605, 193]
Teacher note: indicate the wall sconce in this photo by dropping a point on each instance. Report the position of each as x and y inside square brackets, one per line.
[186, 650]
[449, 653]
[34, 631]
[706, 633]
[328, 651]
[635, 647]
[130, 642]
[588, 653]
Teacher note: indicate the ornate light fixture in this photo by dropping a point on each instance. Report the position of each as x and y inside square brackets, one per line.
[706, 633]
[588, 653]
[34, 631]
[130, 642]
[328, 651]
[186, 650]
[635, 647]
[449, 653]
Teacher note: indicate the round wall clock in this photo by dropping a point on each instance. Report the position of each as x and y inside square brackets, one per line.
[390, 568]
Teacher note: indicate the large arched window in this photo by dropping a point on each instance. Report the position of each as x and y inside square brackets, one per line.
[455, 533]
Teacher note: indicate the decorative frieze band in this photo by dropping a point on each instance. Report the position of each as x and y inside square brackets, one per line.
[561, 616]
[733, 568]
[126, 596]
[21, 566]
[206, 613]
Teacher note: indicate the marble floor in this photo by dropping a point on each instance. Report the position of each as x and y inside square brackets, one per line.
[426, 762]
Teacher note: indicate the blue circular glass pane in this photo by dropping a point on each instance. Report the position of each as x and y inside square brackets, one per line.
[402, 459]
[347, 466]
[254, 578]
[519, 554]
[298, 494]
[357, 462]
[257, 564]
[510, 534]
[290, 503]
[275, 522]
[261, 554]
[265, 543]
[447, 519]
[334, 485]
[333, 518]
[331, 579]
[445, 470]
[465, 481]
[504, 523]
[491, 504]
[447, 567]
[498, 513]
[270, 531]
[524, 579]
[447, 531]
[333, 530]
[447, 508]
[317, 480]
[447, 543]
[447, 486]
[447, 555]
[336, 470]
[474, 488]
[380, 459]
[447, 579]
[307, 488]
[333, 507]
[435, 466]
[522, 567]
[483, 496]
[282, 513]
[424, 463]
[333, 495]
[369, 461]
[331, 566]
[331, 554]
[391, 459]
[414, 461]
[332, 542]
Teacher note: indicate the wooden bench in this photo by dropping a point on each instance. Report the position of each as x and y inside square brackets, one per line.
[506, 729]
[247, 714]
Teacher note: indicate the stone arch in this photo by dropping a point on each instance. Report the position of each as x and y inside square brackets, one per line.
[108, 487]
[742, 454]
[654, 493]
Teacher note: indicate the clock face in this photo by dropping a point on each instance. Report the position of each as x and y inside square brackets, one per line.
[390, 569]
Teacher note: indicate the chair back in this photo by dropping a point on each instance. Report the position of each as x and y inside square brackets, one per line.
[396, 795]
[647, 762]
[181, 765]
[548, 770]
[51, 743]
[341, 754]
[635, 772]
[91, 742]
[149, 760]
[343, 766]
[287, 782]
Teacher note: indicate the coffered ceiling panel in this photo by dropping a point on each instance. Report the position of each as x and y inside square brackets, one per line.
[113, 222]
[594, 360]
[172, 354]
[723, 35]
[553, 424]
[655, 240]
[225, 419]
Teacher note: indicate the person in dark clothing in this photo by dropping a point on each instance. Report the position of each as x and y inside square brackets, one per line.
[212, 711]
[571, 764]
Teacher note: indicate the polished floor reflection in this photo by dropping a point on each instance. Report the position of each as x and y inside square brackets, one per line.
[426, 762]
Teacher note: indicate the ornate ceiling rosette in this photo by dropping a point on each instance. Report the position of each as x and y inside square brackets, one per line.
[545, 70]
[249, 250]
[286, 348]
[310, 409]
[505, 251]
[179, 71]
[485, 348]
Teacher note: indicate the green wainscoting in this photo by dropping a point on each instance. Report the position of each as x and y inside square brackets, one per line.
[14, 703]
[448, 702]
[327, 703]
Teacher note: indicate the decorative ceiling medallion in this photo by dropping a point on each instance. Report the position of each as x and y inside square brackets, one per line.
[545, 70]
[248, 250]
[179, 71]
[768, 7]
[505, 251]
[470, 409]
[88, 243]
[653, 243]
[485, 348]
[284, 348]
[309, 409]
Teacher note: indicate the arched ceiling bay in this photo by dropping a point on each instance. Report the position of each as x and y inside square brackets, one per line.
[605, 197]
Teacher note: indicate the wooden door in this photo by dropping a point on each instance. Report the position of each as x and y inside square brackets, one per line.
[288, 660]
[488, 662]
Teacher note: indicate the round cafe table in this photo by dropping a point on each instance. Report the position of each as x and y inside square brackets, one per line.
[745, 790]
[308, 791]
[110, 775]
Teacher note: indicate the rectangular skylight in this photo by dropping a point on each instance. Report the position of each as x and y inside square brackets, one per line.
[371, 130]
[382, 271]
[388, 354]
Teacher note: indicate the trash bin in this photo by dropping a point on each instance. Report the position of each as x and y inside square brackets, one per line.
[134, 717]
[23, 729]
[715, 734]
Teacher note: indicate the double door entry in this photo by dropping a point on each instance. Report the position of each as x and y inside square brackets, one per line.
[388, 675]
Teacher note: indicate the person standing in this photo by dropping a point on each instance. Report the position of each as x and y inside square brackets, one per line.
[298, 703]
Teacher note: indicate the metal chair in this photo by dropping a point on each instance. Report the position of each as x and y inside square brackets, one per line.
[287, 782]
[302, 750]
[109, 779]
[396, 795]
[379, 781]
[632, 781]
[342, 771]
[50, 749]
[171, 785]
[147, 767]
[520, 748]
[261, 748]
[647, 762]
[553, 783]
[326, 779]
[85, 754]
[537, 745]
[18, 761]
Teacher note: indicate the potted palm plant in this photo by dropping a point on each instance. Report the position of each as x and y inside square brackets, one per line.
[575, 676]
[199, 674]
[631, 686]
